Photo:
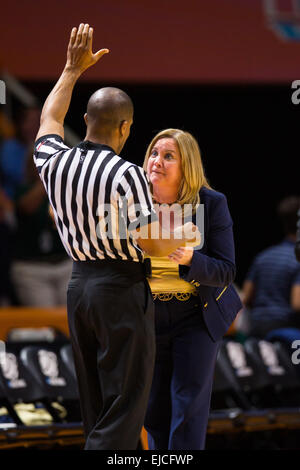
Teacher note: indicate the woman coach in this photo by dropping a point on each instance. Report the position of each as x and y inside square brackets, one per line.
[195, 302]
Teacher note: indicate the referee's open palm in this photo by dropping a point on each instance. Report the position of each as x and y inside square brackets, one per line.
[80, 55]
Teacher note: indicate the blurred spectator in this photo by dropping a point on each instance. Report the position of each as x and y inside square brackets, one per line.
[7, 128]
[7, 225]
[15, 150]
[41, 268]
[7, 222]
[271, 291]
[297, 246]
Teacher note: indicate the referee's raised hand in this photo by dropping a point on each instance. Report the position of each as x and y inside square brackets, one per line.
[80, 55]
[79, 58]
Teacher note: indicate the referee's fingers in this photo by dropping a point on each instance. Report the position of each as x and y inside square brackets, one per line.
[90, 39]
[72, 36]
[99, 54]
[84, 36]
[79, 34]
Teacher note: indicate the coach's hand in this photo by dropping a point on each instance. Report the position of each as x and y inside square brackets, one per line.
[182, 255]
[80, 55]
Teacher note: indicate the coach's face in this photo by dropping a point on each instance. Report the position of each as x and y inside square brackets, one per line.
[164, 164]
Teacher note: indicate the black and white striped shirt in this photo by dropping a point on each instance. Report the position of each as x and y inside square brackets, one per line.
[98, 199]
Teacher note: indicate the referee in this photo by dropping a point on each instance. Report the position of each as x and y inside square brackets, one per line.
[101, 205]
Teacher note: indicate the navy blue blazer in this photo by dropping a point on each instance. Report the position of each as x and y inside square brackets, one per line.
[212, 270]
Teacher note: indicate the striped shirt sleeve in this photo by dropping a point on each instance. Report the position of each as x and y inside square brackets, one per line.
[135, 199]
[47, 146]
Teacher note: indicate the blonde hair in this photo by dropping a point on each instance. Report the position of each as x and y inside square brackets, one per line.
[191, 163]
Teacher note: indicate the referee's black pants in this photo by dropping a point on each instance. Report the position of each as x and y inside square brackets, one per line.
[111, 322]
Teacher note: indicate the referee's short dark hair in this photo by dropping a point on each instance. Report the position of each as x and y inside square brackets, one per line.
[287, 212]
[107, 107]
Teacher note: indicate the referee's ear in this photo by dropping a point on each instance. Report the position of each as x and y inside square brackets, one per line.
[85, 117]
[123, 127]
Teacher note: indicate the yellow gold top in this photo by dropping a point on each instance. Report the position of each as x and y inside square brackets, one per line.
[165, 282]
